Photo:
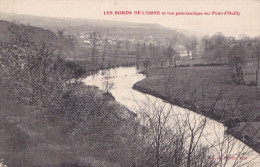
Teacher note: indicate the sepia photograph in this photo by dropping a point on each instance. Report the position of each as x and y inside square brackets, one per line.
[129, 83]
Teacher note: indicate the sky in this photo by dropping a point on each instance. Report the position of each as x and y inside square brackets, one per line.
[247, 22]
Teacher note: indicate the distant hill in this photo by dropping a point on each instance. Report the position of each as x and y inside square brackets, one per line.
[50, 22]
[74, 25]
[189, 33]
[10, 31]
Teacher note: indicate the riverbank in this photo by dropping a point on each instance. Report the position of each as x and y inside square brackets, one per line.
[209, 91]
[49, 119]
[31, 136]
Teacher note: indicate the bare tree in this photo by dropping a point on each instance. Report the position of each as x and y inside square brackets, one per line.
[169, 54]
[174, 136]
[95, 37]
[144, 51]
[127, 46]
[137, 54]
[257, 55]
[237, 56]
[36, 73]
[193, 45]
[118, 46]
[104, 52]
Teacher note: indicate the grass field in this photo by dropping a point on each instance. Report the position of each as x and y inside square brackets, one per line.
[211, 92]
[206, 83]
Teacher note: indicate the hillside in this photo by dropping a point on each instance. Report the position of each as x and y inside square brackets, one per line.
[46, 120]
[124, 43]
[137, 30]
[10, 31]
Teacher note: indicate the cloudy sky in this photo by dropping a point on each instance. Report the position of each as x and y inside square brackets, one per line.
[248, 22]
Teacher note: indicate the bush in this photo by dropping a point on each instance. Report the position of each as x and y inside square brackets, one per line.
[40, 76]
[208, 64]
[183, 65]
[37, 74]
[77, 69]
[252, 83]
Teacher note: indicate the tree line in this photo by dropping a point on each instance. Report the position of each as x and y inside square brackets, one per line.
[233, 52]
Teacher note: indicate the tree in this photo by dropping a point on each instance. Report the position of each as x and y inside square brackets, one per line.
[169, 54]
[173, 41]
[237, 57]
[144, 51]
[104, 52]
[60, 32]
[95, 37]
[176, 57]
[173, 136]
[118, 46]
[108, 85]
[156, 53]
[257, 55]
[188, 48]
[220, 47]
[193, 46]
[137, 54]
[71, 43]
[127, 46]
[205, 42]
[38, 74]
[216, 47]
[147, 64]
[151, 50]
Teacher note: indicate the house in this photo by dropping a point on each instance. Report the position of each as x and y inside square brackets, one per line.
[87, 42]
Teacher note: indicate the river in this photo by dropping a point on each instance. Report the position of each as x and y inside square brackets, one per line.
[119, 82]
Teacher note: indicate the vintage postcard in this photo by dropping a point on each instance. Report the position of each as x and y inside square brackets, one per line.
[129, 83]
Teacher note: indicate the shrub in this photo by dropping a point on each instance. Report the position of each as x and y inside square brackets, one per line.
[183, 65]
[208, 64]
[37, 73]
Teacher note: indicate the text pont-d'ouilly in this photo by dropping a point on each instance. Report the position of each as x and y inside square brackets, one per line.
[176, 13]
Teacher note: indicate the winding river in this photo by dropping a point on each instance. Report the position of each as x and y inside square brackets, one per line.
[119, 82]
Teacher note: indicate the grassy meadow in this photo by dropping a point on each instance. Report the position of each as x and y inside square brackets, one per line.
[212, 92]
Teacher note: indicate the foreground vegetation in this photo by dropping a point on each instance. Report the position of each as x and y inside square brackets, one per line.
[49, 118]
[201, 88]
